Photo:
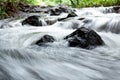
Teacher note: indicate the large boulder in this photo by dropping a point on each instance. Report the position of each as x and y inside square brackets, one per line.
[84, 38]
[45, 39]
[32, 20]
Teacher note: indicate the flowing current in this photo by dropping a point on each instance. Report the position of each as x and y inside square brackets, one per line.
[22, 59]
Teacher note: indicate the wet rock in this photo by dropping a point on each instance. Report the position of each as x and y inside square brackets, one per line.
[72, 14]
[84, 38]
[39, 10]
[116, 9]
[81, 18]
[45, 39]
[60, 9]
[50, 22]
[55, 12]
[32, 20]
[24, 7]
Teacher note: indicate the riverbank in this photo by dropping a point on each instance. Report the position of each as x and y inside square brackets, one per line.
[11, 9]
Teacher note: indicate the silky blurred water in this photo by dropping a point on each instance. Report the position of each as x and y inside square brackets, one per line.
[22, 59]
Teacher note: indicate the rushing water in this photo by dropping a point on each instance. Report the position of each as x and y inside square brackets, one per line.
[22, 59]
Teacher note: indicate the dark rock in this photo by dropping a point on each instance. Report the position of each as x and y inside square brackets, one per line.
[24, 7]
[72, 14]
[87, 21]
[62, 19]
[81, 18]
[39, 10]
[84, 38]
[64, 9]
[116, 9]
[60, 9]
[32, 20]
[55, 12]
[45, 39]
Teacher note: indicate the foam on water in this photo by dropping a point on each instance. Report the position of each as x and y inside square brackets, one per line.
[22, 59]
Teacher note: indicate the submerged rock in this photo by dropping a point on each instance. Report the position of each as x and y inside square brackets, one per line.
[45, 39]
[84, 38]
[51, 22]
[32, 20]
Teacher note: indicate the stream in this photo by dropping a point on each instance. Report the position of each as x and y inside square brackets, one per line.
[22, 59]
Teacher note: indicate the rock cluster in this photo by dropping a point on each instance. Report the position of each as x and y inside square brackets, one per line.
[84, 38]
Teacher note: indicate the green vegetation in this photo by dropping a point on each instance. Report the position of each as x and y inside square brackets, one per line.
[54, 2]
[84, 3]
[33, 2]
[92, 3]
[9, 7]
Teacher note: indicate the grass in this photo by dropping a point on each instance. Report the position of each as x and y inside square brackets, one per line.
[84, 3]
[94, 3]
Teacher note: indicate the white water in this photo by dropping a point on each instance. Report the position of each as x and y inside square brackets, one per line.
[21, 59]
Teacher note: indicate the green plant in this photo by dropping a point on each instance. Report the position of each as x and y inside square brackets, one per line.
[33, 2]
[9, 7]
